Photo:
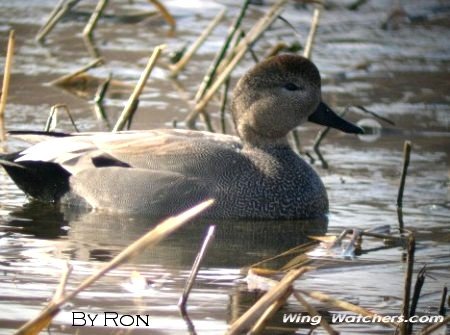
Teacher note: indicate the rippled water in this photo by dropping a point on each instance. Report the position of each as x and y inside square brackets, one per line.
[401, 74]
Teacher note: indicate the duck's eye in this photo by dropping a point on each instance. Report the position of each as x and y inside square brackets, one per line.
[291, 87]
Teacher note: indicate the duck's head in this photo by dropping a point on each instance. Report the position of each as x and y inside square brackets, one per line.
[276, 96]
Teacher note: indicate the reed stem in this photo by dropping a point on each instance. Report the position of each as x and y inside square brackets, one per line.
[241, 49]
[60, 10]
[313, 312]
[195, 267]
[210, 75]
[312, 33]
[181, 64]
[407, 283]
[93, 19]
[6, 80]
[131, 104]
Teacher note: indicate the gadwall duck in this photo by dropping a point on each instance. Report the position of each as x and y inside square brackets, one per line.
[160, 172]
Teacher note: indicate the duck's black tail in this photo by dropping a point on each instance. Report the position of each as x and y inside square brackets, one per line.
[45, 181]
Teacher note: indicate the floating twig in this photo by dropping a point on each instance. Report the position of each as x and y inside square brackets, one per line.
[150, 239]
[407, 283]
[195, 267]
[93, 19]
[245, 321]
[131, 104]
[64, 79]
[313, 312]
[6, 79]
[180, 65]
[58, 12]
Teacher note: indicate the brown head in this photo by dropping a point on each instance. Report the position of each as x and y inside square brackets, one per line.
[276, 96]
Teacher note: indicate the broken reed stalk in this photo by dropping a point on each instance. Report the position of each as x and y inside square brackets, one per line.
[313, 312]
[246, 320]
[195, 267]
[98, 101]
[62, 80]
[260, 324]
[442, 308]
[345, 305]
[165, 14]
[6, 80]
[420, 280]
[53, 13]
[432, 328]
[210, 75]
[154, 236]
[60, 10]
[52, 118]
[128, 110]
[406, 156]
[176, 68]
[93, 19]
[407, 283]
[241, 49]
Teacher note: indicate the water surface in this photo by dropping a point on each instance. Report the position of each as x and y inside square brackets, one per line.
[401, 74]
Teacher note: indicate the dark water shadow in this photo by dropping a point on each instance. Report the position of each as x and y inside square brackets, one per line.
[101, 235]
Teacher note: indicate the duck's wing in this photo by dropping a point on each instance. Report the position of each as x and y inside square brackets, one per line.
[165, 150]
[137, 190]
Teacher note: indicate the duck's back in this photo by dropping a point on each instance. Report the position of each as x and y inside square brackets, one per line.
[163, 171]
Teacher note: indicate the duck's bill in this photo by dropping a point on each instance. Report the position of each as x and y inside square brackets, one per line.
[325, 116]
